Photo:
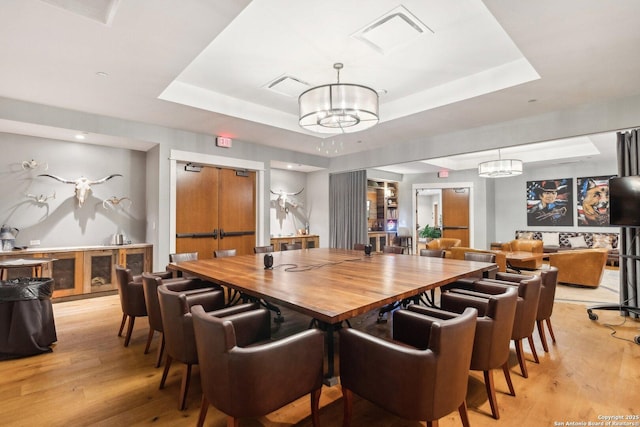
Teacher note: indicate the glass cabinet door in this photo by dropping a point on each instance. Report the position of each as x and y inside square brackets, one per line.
[99, 270]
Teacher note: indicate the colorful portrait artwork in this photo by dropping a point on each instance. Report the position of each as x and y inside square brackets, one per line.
[550, 202]
[593, 201]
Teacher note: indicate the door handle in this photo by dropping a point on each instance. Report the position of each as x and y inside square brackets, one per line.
[236, 233]
[213, 234]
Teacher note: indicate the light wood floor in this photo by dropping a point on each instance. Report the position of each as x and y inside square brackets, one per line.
[91, 379]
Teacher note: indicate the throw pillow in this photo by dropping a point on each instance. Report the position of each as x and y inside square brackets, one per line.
[528, 235]
[602, 241]
[578, 242]
[551, 239]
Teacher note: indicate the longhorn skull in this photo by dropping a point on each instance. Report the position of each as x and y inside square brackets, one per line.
[282, 199]
[82, 185]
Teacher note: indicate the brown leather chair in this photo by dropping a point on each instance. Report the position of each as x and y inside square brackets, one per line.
[496, 314]
[458, 252]
[526, 308]
[358, 246]
[527, 245]
[132, 300]
[549, 280]
[398, 250]
[583, 267]
[263, 249]
[425, 366]
[389, 249]
[444, 243]
[183, 256]
[150, 285]
[221, 253]
[433, 253]
[243, 374]
[178, 329]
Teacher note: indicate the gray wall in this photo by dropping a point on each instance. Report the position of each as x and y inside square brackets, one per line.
[61, 222]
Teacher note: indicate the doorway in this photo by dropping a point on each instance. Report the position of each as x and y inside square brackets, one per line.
[448, 206]
[215, 209]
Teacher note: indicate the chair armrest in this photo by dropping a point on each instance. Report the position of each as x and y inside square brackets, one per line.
[413, 327]
[212, 300]
[235, 309]
[457, 302]
[492, 287]
[430, 311]
[250, 327]
[511, 277]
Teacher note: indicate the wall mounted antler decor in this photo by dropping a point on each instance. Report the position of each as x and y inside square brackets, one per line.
[283, 199]
[82, 185]
[113, 201]
[41, 198]
[33, 164]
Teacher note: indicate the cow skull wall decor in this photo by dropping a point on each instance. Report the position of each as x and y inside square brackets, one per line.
[114, 201]
[82, 185]
[283, 199]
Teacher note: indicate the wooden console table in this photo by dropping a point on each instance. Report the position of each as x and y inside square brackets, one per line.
[308, 241]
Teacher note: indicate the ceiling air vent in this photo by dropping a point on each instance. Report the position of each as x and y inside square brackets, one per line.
[395, 28]
[102, 11]
[288, 86]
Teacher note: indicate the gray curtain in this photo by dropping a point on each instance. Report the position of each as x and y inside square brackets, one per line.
[628, 146]
[348, 209]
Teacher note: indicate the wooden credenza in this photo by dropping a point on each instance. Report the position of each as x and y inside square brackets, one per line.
[308, 241]
[84, 270]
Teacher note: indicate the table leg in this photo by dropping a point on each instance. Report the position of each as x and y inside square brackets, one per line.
[330, 378]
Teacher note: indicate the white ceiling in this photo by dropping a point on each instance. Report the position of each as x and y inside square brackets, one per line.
[204, 66]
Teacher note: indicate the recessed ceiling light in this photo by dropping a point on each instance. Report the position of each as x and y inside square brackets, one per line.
[289, 166]
[81, 136]
[102, 74]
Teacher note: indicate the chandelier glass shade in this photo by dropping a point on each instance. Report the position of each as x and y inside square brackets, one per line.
[338, 108]
[500, 168]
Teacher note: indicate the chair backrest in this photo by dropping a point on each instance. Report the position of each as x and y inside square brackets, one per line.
[263, 249]
[131, 298]
[221, 253]
[549, 278]
[292, 246]
[494, 328]
[388, 249]
[358, 246]
[228, 373]
[183, 256]
[479, 256]
[433, 253]
[179, 338]
[150, 285]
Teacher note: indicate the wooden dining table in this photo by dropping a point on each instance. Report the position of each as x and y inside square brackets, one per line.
[331, 285]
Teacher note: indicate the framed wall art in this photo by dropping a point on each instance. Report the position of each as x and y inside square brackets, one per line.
[592, 201]
[550, 202]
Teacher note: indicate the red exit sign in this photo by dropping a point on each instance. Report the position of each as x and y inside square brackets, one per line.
[222, 141]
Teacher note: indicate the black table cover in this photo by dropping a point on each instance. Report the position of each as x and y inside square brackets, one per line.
[27, 326]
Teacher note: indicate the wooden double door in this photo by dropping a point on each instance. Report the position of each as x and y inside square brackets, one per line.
[215, 209]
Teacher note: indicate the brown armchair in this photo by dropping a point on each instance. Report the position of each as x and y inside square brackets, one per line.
[526, 308]
[150, 285]
[493, 332]
[526, 245]
[178, 329]
[131, 300]
[583, 267]
[457, 252]
[244, 374]
[549, 280]
[426, 366]
[444, 243]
